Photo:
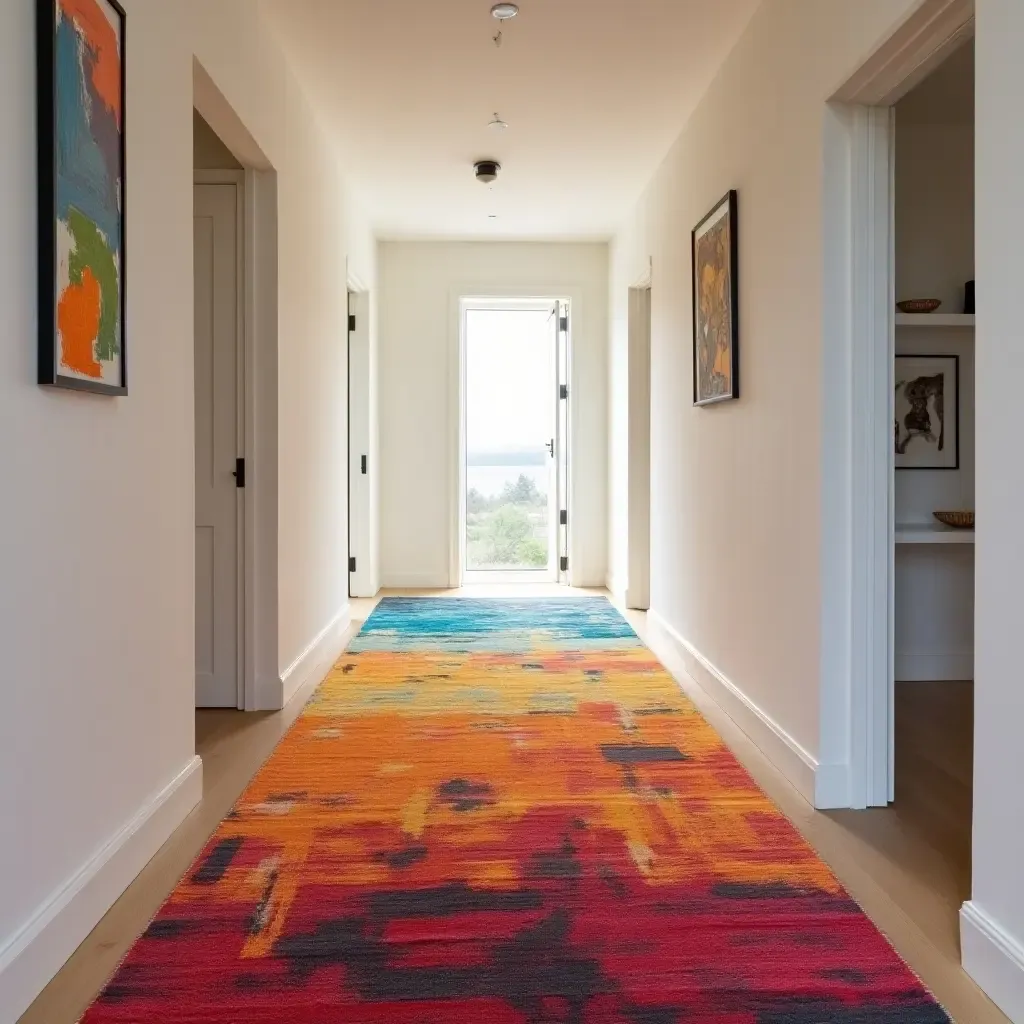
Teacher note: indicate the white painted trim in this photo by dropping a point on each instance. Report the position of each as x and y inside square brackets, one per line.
[993, 958]
[250, 321]
[638, 524]
[857, 500]
[41, 947]
[924, 40]
[795, 763]
[857, 458]
[415, 581]
[317, 659]
[927, 668]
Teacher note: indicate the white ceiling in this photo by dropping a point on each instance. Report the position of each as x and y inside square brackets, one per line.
[594, 91]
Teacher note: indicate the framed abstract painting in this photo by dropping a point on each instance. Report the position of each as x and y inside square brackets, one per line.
[716, 305]
[927, 427]
[81, 108]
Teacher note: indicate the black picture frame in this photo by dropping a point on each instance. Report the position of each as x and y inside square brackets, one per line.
[945, 356]
[50, 373]
[726, 207]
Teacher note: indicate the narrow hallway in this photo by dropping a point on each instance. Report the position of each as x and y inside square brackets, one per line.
[494, 805]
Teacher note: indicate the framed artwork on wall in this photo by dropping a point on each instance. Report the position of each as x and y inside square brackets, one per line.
[81, 143]
[715, 249]
[927, 427]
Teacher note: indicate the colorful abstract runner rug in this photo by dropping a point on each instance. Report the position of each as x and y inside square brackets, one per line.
[505, 811]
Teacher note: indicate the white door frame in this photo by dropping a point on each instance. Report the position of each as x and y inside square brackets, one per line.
[246, 420]
[360, 428]
[504, 297]
[638, 521]
[857, 460]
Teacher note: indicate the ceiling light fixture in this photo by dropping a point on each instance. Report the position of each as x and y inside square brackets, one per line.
[503, 12]
[497, 124]
[486, 171]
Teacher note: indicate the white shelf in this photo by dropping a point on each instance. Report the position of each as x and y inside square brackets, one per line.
[931, 533]
[934, 319]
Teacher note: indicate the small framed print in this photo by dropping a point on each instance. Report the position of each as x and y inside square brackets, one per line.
[927, 428]
[716, 305]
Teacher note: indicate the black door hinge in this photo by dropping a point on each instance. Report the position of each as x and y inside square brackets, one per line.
[352, 565]
[563, 390]
[239, 473]
[362, 464]
[564, 563]
[351, 322]
[563, 517]
[563, 324]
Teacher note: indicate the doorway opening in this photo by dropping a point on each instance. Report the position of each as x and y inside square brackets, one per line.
[514, 465]
[220, 467]
[897, 660]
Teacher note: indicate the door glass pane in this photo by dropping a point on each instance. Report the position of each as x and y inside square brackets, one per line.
[510, 430]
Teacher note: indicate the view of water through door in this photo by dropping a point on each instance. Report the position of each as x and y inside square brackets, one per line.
[511, 443]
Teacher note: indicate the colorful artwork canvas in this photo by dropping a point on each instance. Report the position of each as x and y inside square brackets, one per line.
[716, 305]
[82, 194]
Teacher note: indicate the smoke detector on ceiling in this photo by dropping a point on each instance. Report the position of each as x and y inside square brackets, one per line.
[486, 171]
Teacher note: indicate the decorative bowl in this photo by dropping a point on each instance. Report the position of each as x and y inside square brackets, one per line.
[918, 305]
[959, 520]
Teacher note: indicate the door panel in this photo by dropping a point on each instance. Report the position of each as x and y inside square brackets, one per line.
[562, 400]
[216, 445]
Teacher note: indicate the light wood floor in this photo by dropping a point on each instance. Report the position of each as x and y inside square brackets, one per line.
[907, 865]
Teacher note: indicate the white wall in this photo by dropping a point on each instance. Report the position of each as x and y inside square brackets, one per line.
[993, 923]
[735, 524]
[96, 593]
[419, 282]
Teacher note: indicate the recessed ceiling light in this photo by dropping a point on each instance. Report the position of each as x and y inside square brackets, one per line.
[504, 11]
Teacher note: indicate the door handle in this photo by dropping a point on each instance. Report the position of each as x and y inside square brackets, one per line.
[550, 445]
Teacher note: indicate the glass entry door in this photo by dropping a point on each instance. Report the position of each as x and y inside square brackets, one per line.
[511, 443]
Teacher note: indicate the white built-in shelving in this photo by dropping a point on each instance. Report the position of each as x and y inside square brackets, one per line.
[932, 533]
[934, 319]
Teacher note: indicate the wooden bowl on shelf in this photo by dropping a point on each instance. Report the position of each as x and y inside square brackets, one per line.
[958, 520]
[918, 305]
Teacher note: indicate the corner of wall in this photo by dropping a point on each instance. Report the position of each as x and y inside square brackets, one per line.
[43, 945]
[312, 665]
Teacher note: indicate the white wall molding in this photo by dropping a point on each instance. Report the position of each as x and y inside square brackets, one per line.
[927, 668]
[915, 49]
[798, 766]
[316, 660]
[415, 581]
[993, 958]
[40, 948]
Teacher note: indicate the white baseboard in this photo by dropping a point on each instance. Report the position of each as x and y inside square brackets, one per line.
[616, 587]
[414, 581]
[316, 660]
[832, 787]
[927, 668]
[994, 959]
[42, 946]
[798, 766]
